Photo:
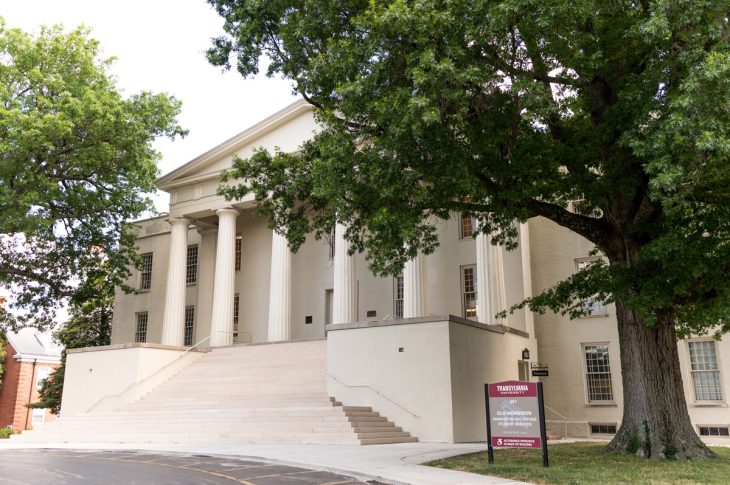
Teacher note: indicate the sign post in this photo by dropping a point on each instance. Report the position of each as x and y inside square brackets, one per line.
[515, 417]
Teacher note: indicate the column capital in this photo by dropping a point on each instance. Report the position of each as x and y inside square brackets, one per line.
[179, 220]
[204, 231]
[228, 210]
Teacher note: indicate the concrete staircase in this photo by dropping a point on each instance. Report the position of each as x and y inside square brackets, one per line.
[266, 394]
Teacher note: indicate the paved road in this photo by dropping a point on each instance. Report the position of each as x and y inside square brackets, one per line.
[58, 467]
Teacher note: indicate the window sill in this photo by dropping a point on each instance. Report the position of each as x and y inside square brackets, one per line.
[718, 404]
[595, 315]
[191, 284]
[143, 291]
[608, 404]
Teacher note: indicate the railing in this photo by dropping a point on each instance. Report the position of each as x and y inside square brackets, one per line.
[565, 421]
[377, 391]
[147, 377]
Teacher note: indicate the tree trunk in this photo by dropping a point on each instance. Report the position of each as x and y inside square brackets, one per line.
[655, 421]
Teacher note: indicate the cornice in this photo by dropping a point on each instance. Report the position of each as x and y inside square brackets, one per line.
[178, 176]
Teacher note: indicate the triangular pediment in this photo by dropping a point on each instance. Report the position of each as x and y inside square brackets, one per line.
[286, 129]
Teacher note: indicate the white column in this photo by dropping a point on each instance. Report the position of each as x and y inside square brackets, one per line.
[206, 276]
[280, 290]
[344, 306]
[221, 320]
[498, 294]
[526, 275]
[173, 322]
[415, 288]
[484, 306]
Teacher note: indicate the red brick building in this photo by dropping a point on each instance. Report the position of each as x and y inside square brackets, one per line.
[30, 358]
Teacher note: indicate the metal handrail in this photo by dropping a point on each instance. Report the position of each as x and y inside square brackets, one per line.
[564, 420]
[145, 378]
[377, 391]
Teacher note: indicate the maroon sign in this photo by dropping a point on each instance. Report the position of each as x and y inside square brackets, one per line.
[513, 389]
[515, 417]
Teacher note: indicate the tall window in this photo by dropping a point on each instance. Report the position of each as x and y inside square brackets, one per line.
[189, 325]
[39, 417]
[145, 275]
[235, 315]
[239, 245]
[331, 245]
[141, 334]
[42, 376]
[191, 268]
[467, 225]
[598, 373]
[592, 306]
[398, 296]
[469, 290]
[705, 370]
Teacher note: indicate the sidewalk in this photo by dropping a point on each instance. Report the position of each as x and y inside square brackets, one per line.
[394, 464]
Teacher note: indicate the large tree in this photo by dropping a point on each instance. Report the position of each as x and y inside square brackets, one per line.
[75, 162]
[509, 109]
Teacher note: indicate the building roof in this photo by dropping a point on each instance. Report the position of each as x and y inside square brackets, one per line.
[29, 343]
[181, 175]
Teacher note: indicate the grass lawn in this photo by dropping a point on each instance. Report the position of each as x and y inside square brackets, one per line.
[577, 463]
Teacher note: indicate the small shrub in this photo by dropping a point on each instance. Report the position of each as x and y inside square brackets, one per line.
[634, 444]
[5, 433]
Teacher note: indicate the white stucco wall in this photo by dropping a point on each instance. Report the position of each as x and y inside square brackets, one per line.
[361, 364]
[478, 357]
[434, 387]
[103, 378]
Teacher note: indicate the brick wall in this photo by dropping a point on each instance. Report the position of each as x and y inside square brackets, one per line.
[19, 383]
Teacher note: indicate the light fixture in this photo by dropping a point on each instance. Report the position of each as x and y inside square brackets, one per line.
[526, 354]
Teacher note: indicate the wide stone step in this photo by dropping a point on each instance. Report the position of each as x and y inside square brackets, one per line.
[235, 415]
[259, 427]
[166, 437]
[377, 429]
[366, 419]
[383, 434]
[268, 394]
[386, 441]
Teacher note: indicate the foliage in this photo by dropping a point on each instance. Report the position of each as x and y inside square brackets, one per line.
[588, 463]
[89, 325]
[75, 161]
[510, 109]
[5, 433]
[3, 343]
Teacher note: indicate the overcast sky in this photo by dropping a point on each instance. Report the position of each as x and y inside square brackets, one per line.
[159, 46]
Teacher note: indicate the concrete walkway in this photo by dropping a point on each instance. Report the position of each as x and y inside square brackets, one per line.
[393, 464]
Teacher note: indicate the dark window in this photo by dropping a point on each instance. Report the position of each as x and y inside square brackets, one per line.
[189, 325]
[598, 373]
[398, 296]
[467, 225]
[191, 270]
[235, 315]
[145, 275]
[705, 370]
[141, 333]
[603, 429]
[469, 290]
[239, 245]
[713, 431]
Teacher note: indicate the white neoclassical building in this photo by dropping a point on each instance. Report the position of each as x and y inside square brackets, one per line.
[416, 348]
